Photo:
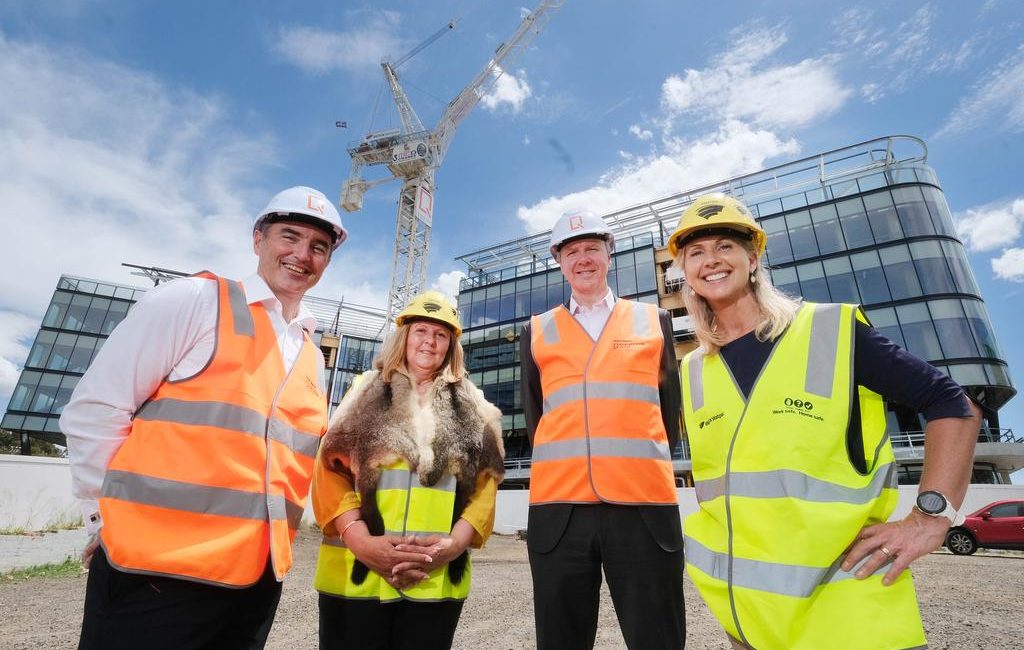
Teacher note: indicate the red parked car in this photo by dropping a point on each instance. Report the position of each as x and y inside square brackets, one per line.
[997, 525]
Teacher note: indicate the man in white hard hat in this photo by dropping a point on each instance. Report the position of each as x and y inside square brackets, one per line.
[601, 398]
[192, 438]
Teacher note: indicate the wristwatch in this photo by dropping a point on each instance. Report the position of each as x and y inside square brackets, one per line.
[935, 504]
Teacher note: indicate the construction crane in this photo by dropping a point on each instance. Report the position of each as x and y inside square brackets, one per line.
[414, 154]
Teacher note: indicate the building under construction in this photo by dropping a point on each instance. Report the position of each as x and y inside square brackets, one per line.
[867, 223]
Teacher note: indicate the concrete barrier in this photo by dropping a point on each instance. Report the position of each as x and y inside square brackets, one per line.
[35, 494]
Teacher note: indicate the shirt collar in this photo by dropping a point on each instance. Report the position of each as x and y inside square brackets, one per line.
[256, 290]
[608, 301]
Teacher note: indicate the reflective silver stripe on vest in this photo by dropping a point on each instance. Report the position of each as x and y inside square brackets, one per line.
[231, 417]
[789, 483]
[641, 323]
[821, 352]
[549, 327]
[202, 499]
[399, 479]
[602, 390]
[696, 365]
[783, 579]
[337, 542]
[601, 447]
[240, 314]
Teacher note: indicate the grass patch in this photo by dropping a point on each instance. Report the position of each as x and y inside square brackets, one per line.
[13, 530]
[69, 568]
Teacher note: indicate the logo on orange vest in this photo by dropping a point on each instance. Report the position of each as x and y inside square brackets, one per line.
[626, 343]
[313, 386]
[711, 419]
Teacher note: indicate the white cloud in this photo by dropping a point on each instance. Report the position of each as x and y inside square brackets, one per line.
[18, 331]
[448, 283]
[987, 228]
[361, 48]
[734, 149]
[995, 102]
[507, 89]
[1010, 265]
[103, 164]
[871, 93]
[640, 133]
[740, 84]
[526, 140]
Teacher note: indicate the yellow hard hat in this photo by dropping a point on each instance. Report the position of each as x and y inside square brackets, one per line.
[431, 305]
[716, 214]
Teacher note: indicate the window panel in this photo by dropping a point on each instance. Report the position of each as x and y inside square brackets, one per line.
[785, 280]
[77, 310]
[46, 393]
[813, 286]
[67, 386]
[931, 267]
[962, 274]
[827, 230]
[918, 332]
[942, 220]
[625, 274]
[779, 249]
[24, 391]
[969, 374]
[95, 316]
[62, 350]
[57, 310]
[981, 326]
[646, 279]
[854, 221]
[885, 223]
[953, 329]
[82, 354]
[507, 302]
[801, 235]
[913, 212]
[900, 273]
[870, 279]
[523, 298]
[841, 283]
[41, 349]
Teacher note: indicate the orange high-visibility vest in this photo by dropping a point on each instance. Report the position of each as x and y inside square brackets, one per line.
[601, 436]
[216, 470]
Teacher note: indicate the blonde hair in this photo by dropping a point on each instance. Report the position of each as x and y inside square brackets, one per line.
[392, 355]
[776, 309]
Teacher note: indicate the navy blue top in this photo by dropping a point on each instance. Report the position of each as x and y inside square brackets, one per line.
[879, 365]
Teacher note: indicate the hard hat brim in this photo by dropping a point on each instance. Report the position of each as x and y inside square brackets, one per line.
[412, 318]
[337, 235]
[680, 239]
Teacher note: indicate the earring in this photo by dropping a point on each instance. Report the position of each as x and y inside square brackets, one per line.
[753, 279]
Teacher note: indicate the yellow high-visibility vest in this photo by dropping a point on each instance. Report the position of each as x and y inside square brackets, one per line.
[408, 508]
[780, 500]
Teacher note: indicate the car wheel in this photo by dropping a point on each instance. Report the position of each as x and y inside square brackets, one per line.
[961, 542]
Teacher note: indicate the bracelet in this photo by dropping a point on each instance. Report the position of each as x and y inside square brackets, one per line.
[347, 526]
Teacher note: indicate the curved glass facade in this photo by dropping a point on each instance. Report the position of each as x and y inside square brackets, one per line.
[893, 250]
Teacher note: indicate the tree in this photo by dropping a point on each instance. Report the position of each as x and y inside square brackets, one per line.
[10, 443]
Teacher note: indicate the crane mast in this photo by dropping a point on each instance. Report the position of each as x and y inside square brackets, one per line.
[414, 154]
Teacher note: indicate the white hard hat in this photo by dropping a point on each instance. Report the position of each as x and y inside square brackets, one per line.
[306, 205]
[577, 225]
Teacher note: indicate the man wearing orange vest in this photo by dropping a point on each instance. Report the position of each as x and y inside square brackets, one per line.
[192, 438]
[601, 398]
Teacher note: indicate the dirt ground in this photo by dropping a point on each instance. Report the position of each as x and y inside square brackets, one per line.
[967, 603]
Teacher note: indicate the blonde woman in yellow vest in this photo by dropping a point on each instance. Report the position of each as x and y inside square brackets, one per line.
[404, 485]
[791, 547]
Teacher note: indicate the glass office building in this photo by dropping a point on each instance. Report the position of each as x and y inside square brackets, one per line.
[866, 224]
[83, 312]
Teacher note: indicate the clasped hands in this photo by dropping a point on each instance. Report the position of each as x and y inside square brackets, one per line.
[404, 561]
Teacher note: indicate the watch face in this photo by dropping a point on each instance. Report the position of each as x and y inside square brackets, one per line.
[931, 502]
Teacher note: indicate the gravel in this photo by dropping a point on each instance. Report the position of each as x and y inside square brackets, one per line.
[966, 602]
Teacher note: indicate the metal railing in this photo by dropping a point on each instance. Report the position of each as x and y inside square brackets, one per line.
[916, 438]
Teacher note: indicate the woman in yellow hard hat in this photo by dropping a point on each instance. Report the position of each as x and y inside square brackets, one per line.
[405, 483]
[794, 474]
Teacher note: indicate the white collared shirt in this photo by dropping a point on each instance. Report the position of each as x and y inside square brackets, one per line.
[170, 333]
[593, 318]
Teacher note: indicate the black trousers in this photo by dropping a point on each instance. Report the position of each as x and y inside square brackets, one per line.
[645, 580]
[347, 624]
[128, 610]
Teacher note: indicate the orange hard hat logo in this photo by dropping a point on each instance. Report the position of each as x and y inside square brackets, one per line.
[315, 203]
[575, 222]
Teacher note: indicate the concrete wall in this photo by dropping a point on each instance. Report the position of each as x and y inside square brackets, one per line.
[35, 494]
[512, 504]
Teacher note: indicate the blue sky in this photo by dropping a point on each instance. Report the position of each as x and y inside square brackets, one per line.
[151, 132]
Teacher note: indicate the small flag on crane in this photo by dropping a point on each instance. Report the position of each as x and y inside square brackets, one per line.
[341, 125]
